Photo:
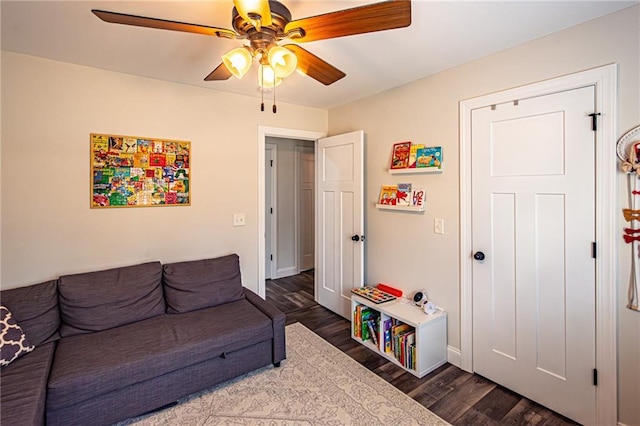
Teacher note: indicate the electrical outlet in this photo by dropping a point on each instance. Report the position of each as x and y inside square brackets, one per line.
[238, 219]
[438, 226]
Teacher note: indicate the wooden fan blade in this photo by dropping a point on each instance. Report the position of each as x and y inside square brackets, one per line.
[358, 20]
[309, 64]
[220, 73]
[248, 8]
[162, 24]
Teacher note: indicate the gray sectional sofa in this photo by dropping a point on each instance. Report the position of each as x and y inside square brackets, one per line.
[114, 344]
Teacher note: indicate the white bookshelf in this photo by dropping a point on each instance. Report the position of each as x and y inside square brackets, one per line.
[430, 332]
[417, 170]
[401, 208]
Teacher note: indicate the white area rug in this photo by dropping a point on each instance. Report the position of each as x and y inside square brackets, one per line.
[316, 385]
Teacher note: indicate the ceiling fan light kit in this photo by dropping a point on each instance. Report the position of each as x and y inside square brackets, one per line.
[238, 61]
[265, 23]
[267, 78]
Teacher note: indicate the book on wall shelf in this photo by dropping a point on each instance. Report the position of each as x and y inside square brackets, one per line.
[388, 195]
[403, 194]
[402, 197]
[429, 157]
[420, 158]
[400, 155]
[413, 154]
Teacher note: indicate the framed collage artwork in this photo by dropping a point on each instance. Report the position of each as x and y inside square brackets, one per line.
[130, 171]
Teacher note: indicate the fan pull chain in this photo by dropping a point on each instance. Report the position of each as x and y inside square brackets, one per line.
[262, 90]
[274, 97]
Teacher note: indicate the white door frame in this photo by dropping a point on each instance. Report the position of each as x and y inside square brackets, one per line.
[605, 81]
[263, 133]
[273, 202]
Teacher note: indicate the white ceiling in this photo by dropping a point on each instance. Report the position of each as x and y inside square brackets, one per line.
[443, 34]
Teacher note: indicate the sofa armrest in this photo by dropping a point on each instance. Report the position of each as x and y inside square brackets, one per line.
[277, 320]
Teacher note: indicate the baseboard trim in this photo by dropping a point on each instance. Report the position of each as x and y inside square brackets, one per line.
[286, 272]
[453, 356]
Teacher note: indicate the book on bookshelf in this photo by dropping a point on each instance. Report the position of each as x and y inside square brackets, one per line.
[429, 157]
[387, 335]
[403, 194]
[372, 331]
[388, 195]
[356, 321]
[400, 155]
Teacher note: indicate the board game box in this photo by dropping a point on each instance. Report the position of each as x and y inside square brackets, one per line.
[374, 294]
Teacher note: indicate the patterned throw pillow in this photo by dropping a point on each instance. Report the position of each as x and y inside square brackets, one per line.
[13, 342]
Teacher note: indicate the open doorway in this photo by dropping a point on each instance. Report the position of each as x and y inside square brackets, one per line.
[289, 187]
[263, 134]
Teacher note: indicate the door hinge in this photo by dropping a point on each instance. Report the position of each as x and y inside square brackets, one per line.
[271, 257]
[594, 120]
[271, 210]
[595, 377]
[594, 249]
[270, 163]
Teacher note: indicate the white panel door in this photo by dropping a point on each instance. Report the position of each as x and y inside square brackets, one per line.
[339, 179]
[533, 177]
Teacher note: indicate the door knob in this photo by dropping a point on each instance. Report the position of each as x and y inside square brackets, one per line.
[478, 255]
[357, 237]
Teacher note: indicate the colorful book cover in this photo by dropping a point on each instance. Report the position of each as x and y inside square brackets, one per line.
[403, 194]
[115, 144]
[157, 160]
[364, 318]
[100, 143]
[413, 155]
[372, 331]
[400, 155]
[410, 339]
[171, 147]
[157, 147]
[388, 194]
[387, 336]
[143, 145]
[418, 198]
[429, 157]
[129, 145]
[141, 160]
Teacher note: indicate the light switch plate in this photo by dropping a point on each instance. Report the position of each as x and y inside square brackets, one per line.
[438, 226]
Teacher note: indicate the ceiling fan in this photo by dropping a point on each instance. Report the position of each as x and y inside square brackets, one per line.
[266, 23]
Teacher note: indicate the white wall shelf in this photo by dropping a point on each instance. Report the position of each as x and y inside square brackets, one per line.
[430, 332]
[402, 208]
[419, 170]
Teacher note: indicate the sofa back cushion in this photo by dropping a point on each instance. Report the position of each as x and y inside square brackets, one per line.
[101, 300]
[35, 308]
[202, 283]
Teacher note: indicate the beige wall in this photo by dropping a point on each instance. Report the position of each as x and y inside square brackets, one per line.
[48, 110]
[402, 248]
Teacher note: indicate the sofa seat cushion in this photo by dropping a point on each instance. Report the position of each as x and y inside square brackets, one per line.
[24, 387]
[89, 365]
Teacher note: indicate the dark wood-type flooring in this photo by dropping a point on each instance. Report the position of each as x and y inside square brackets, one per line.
[456, 396]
